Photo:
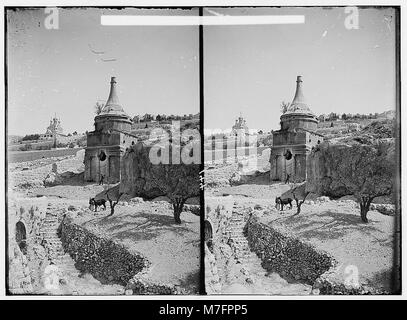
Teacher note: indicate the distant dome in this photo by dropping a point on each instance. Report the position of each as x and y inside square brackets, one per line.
[299, 105]
[113, 106]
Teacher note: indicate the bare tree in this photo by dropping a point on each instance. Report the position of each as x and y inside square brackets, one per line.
[366, 171]
[299, 193]
[99, 108]
[113, 203]
[299, 202]
[178, 182]
[284, 106]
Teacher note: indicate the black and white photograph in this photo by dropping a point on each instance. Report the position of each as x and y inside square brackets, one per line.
[95, 205]
[202, 152]
[301, 160]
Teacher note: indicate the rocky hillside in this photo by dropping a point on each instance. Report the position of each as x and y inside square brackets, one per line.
[377, 130]
[369, 133]
[142, 178]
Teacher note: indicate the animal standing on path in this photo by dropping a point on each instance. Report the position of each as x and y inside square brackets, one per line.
[282, 202]
[97, 203]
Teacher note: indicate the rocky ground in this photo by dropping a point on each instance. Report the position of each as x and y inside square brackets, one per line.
[335, 227]
[330, 225]
[27, 178]
[149, 228]
[243, 272]
[146, 227]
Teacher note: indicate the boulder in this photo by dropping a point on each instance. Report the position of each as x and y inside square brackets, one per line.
[387, 209]
[235, 178]
[80, 155]
[136, 200]
[144, 176]
[67, 174]
[323, 199]
[322, 173]
[52, 179]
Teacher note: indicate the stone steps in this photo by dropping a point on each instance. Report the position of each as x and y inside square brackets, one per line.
[67, 264]
[48, 231]
[241, 250]
[238, 240]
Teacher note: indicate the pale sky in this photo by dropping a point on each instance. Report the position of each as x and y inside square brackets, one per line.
[55, 71]
[247, 69]
[252, 69]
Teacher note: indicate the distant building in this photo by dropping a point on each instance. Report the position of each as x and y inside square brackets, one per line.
[53, 130]
[108, 142]
[295, 139]
[240, 127]
[54, 126]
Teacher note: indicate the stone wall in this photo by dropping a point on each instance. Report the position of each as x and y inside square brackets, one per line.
[218, 213]
[289, 138]
[212, 281]
[102, 139]
[104, 259]
[299, 261]
[108, 166]
[26, 257]
[110, 262]
[140, 284]
[286, 255]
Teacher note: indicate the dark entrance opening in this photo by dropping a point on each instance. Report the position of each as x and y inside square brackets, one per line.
[102, 156]
[288, 155]
[21, 237]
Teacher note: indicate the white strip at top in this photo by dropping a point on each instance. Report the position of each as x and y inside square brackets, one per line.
[131, 20]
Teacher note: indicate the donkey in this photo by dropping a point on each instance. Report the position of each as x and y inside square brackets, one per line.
[97, 203]
[282, 202]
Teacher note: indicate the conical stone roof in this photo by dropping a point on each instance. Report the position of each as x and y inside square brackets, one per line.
[113, 105]
[299, 105]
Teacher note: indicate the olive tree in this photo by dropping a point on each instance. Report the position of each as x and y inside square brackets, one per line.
[366, 171]
[178, 182]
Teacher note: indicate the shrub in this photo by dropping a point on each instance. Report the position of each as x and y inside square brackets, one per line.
[31, 137]
[26, 147]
